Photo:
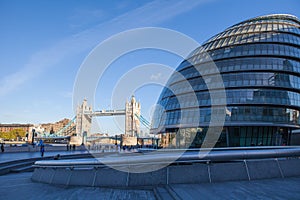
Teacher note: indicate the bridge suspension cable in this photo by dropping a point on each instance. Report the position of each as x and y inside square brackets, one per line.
[144, 121]
[65, 127]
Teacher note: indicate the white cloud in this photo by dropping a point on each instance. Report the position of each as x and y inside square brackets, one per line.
[150, 14]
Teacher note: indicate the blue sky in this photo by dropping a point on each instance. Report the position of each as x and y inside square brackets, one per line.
[43, 44]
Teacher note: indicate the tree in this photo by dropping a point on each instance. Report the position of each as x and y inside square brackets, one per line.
[13, 134]
[18, 132]
[6, 135]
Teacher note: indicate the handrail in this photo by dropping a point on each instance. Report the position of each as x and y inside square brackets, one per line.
[175, 157]
[101, 165]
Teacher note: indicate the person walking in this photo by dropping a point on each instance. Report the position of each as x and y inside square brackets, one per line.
[2, 147]
[42, 150]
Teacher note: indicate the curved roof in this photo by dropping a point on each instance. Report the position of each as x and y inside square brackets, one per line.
[271, 17]
[250, 31]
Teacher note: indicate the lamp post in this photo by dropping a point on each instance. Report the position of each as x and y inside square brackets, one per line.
[84, 135]
[32, 138]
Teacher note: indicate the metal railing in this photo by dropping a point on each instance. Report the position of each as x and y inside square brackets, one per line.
[177, 157]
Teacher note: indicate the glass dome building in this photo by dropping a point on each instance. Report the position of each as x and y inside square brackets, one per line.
[259, 62]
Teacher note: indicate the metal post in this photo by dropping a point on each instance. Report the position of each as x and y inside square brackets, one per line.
[32, 138]
[227, 136]
[289, 136]
[121, 141]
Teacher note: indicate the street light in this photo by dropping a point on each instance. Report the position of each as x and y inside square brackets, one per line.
[33, 133]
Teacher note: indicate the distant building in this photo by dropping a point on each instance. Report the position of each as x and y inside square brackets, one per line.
[9, 127]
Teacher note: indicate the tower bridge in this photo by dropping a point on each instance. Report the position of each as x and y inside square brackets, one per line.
[82, 122]
[85, 113]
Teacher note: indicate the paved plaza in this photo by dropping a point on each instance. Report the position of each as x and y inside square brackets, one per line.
[11, 156]
[271, 189]
[20, 186]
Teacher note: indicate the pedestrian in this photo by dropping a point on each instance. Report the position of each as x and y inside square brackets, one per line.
[42, 150]
[57, 157]
[74, 147]
[2, 147]
[67, 147]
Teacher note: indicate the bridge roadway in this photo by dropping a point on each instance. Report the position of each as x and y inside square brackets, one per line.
[106, 113]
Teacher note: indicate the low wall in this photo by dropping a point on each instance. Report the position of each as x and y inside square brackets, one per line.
[174, 167]
[187, 173]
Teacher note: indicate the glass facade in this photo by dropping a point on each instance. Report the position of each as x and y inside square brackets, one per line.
[259, 62]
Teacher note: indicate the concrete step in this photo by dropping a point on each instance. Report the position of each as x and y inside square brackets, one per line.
[7, 169]
[25, 165]
[161, 193]
[29, 168]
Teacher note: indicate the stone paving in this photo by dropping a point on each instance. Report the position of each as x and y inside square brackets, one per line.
[10, 156]
[20, 186]
[288, 188]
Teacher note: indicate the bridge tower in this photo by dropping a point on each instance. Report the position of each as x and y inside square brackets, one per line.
[83, 122]
[132, 123]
